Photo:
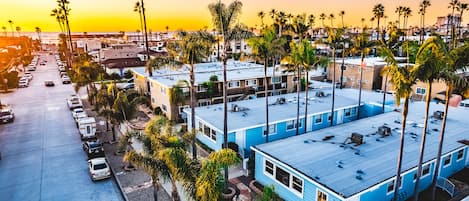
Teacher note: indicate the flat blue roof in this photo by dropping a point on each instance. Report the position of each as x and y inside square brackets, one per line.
[318, 159]
[254, 115]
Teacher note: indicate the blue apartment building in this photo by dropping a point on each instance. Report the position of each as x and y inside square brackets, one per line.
[246, 119]
[357, 161]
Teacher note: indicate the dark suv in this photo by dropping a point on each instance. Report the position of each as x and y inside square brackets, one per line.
[93, 148]
[7, 115]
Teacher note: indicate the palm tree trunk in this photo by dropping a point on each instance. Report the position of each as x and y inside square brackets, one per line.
[377, 37]
[333, 86]
[360, 86]
[401, 149]
[449, 90]
[192, 94]
[141, 23]
[150, 70]
[422, 143]
[306, 101]
[113, 128]
[266, 94]
[298, 89]
[174, 192]
[156, 188]
[384, 92]
[225, 115]
[342, 67]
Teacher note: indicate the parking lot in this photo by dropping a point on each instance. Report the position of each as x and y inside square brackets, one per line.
[42, 155]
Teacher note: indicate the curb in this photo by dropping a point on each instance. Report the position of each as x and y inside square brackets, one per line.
[118, 182]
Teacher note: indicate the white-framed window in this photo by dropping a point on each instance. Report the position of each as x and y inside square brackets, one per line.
[163, 90]
[164, 108]
[329, 117]
[233, 84]
[420, 91]
[268, 167]
[447, 160]
[292, 124]
[347, 112]
[207, 131]
[460, 155]
[276, 80]
[318, 119]
[321, 196]
[201, 127]
[392, 183]
[425, 170]
[251, 83]
[272, 129]
[291, 182]
[297, 184]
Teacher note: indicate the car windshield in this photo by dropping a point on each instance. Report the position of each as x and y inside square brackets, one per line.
[4, 113]
[95, 145]
[99, 166]
[78, 111]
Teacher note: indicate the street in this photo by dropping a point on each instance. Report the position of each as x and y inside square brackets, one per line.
[42, 155]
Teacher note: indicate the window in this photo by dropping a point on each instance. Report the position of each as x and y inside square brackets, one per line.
[269, 167]
[163, 90]
[214, 135]
[347, 112]
[292, 124]
[163, 107]
[207, 130]
[282, 176]
[276, 80]
[234, 84]
[391, 186]
[329, 117]
[201, 127]
[426, 170]
[153, 100]
[321, 196]
[251, 83]
[421, 91]
[201, 88]
[297, 184]
[272, 129]
[318, 119]
[460, 154]
[446, 160]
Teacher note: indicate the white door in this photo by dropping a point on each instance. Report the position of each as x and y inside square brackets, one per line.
[241, 141]
[340, 117]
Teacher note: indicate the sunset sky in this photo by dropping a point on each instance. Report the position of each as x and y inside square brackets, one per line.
[118, 15]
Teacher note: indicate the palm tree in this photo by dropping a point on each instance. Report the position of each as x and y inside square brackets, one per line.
[261, 15]
[423, 10]
[341, 14]
[334, 39]
[138, 9]
[18, 30]
[331, 17]
[378, 13]
[224, 18]
[11, 27]
[322, 17]
[38, 32]
[207, 184]
[402, 81]
[428, 65]
[63, 5]
[399, 14]
[453, 4]
[266, 47]
[461, 8]
[457, 61]
[57, 13]
[363, 22]
[406, 12]
[361, 45]
[4, 28]
[193, 48]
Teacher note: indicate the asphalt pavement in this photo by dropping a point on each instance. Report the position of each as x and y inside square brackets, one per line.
[42, 156]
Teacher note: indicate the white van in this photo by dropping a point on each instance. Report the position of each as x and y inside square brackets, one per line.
[87, 127]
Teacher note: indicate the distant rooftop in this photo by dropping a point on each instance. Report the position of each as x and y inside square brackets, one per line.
[235, 71]
[370, 61]
[375, 160]
[252, 112]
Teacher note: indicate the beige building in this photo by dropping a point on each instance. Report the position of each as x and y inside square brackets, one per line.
[120, 51]
[245, 81]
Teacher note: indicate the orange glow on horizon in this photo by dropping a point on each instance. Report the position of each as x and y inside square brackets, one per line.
[118, 15]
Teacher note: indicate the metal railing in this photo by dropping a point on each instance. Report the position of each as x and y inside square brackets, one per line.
[446, 185]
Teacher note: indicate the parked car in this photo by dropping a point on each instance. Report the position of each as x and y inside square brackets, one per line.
[99, 169]
[77, 111]
[30, 68]
[126, 86]
[7, 115]
[43, 63]
[49, 83]
[74, 102]
[66, 80]
[93, 148]
[23, 83]
[63, 74]
[28, 75]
